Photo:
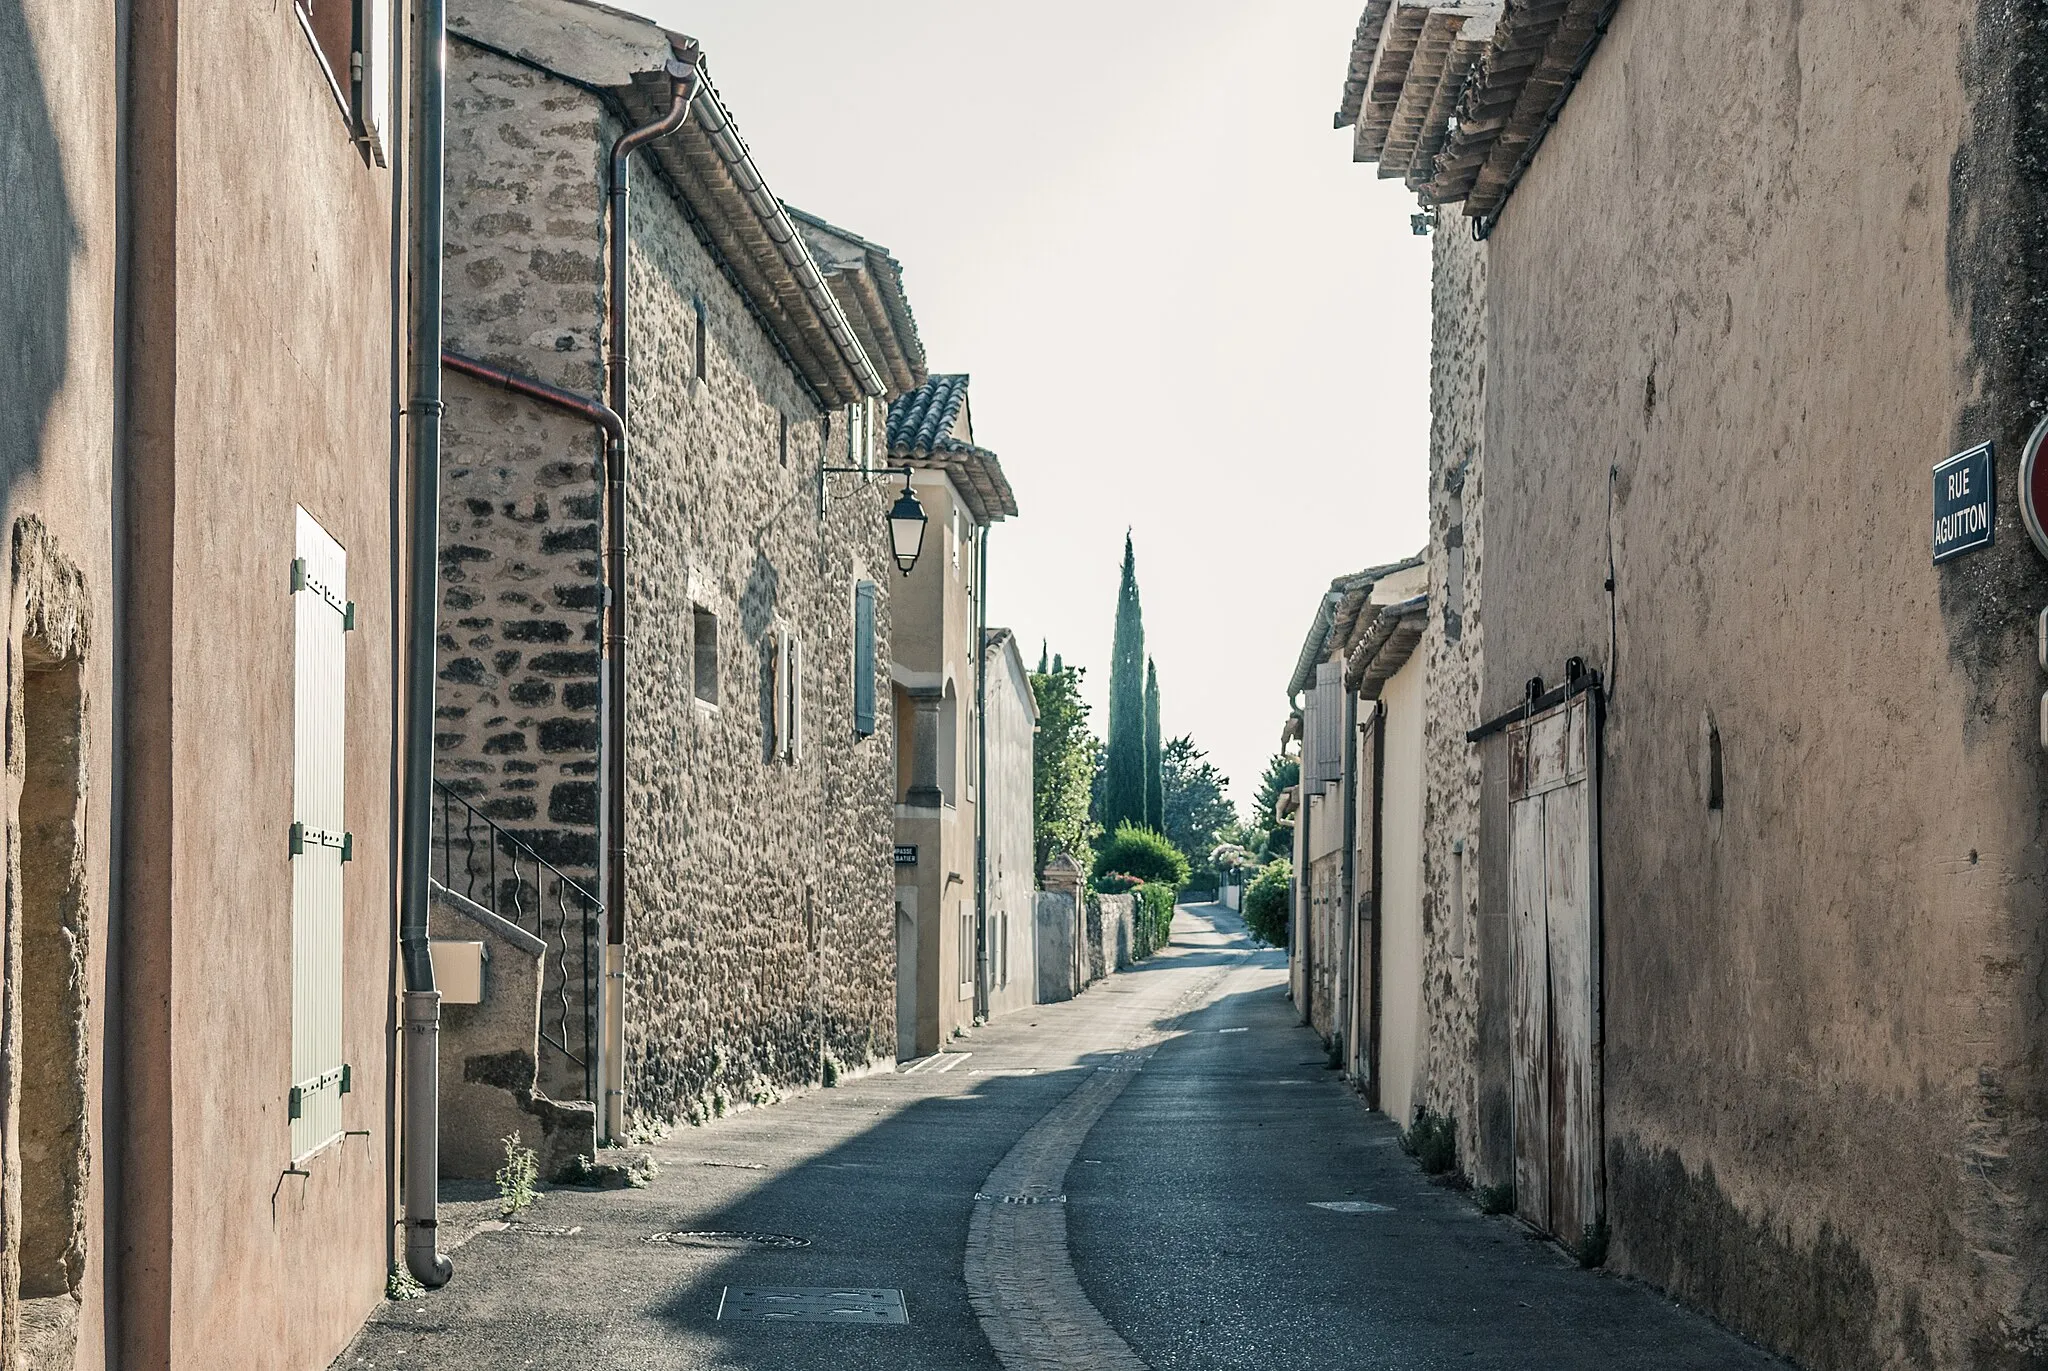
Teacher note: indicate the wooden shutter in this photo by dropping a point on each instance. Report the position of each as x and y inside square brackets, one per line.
[778, 691]
[864, 659]
[373, 111]
[319, 845]
[793, 711]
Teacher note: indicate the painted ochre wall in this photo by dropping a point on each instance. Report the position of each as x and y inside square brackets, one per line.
[1759, 279]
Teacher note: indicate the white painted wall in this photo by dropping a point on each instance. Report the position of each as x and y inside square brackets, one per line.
[1012, 879]
[1401, 894]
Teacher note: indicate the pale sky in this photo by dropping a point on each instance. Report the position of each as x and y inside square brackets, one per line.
[1185, 309]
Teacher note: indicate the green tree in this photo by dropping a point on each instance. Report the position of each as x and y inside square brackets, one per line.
[1063, 757]
[1123, 797]
[1197, 809]
[1155, 792]
[1271, 837]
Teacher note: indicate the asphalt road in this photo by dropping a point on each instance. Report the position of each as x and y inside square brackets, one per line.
[1188, 1212]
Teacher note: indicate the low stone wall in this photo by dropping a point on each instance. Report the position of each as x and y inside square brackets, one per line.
[1112, 934]
[490, 1058]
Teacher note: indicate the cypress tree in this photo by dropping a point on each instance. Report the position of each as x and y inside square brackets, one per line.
[1123, 796]
[1155, 761]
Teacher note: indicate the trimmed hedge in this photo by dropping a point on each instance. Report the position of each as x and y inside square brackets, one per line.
[1155, 917]
[1141, 852]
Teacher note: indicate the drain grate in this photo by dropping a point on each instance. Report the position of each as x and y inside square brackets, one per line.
[720, 1239]
[1351, 1206]
[812, 1304]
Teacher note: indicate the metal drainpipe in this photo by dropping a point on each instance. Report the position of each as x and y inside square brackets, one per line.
[981, 977]
[602, 416]
[684, 82]
[421, 1139]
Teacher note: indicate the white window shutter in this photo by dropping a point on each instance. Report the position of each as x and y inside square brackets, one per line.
[377, 57]
[319, 845]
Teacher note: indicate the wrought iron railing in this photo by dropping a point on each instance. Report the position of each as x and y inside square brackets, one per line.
[483, 863]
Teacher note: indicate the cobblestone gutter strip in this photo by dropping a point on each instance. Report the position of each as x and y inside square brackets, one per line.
[1020, 1275]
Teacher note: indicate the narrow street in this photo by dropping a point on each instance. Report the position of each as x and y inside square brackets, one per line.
[1191, 1126]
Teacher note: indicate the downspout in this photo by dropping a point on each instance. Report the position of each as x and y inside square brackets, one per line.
[981, 979]
[421, 1138]
[603, 417]
[1378, 894]
[684, 81]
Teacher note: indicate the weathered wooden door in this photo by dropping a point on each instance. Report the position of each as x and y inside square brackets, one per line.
[1553, 791]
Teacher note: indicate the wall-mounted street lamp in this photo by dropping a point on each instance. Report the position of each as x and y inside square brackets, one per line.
[906, 517]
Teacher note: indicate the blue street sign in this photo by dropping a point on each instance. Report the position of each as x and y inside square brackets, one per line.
[1964, 505]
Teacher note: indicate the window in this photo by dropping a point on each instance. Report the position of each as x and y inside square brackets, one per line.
[784, 448]
[704, 630]
[864, 659]
[352, 39]
[703, 345]
[319, 846]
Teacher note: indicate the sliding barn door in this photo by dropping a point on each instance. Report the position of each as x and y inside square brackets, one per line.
[1553, 792]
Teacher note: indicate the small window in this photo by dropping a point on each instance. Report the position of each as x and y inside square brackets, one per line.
[785, 440]
[703, 343]
[705, 630]
[864, 659]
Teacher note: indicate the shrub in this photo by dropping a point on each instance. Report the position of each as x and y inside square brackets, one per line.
[1143, 853]
[1116, 883]
[1155, 916]
[1433, 1141]
[1265, 903]
[1497, 1199]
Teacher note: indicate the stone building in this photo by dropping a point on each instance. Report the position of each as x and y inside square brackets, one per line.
[738, 790]
[1361, 905]
[938, 620]
[1010, 854]
[1715, 290]
[203, 624]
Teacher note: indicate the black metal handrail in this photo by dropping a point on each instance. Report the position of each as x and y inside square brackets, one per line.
[488, 865]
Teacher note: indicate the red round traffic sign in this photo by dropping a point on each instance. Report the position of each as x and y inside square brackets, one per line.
[2034, 488]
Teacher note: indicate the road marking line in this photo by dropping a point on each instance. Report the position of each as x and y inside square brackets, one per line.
[1020, 1274]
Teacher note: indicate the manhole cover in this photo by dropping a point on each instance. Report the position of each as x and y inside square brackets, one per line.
[727, 1240]
[816, 1304]
[1020, 1199]
[1351, 1206]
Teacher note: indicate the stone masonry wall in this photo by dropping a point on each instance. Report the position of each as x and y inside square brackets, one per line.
[761, 919]
[759, 922]
[1448, 1075]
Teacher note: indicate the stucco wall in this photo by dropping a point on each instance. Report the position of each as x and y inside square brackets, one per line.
[1012, 887]
[760, 926]
[1722, 349]
[58, 122]
[1404, 1014]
